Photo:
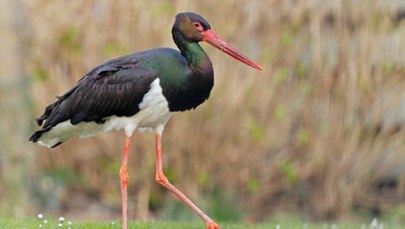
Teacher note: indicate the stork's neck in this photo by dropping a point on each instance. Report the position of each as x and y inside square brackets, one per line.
[197, 59]
[189, 87]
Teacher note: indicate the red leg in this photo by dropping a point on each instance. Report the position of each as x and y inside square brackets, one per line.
[162, 179]
[124, 180]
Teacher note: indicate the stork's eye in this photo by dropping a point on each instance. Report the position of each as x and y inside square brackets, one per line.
[198, 26]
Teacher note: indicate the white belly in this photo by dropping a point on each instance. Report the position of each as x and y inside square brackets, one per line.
[154, 114]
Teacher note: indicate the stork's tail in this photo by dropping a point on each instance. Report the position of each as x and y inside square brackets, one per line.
[36, 138]
[37, 135]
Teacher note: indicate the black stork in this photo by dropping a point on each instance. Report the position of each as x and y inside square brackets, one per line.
[140, 90]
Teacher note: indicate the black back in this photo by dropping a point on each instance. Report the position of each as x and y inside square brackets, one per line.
[114, 88]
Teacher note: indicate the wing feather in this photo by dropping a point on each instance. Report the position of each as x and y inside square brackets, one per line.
[110, 89]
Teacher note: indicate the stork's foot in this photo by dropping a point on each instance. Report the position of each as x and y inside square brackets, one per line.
[212, 225]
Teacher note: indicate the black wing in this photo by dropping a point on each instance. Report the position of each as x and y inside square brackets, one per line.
[110, 89]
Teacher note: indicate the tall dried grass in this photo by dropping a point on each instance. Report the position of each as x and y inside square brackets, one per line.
[319, 130]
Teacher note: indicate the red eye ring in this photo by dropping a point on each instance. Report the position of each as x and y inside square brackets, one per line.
[197, 25]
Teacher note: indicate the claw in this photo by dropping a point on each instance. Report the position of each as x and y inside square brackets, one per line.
[212, 225]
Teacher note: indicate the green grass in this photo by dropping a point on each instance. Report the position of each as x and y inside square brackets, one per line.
[35, 223]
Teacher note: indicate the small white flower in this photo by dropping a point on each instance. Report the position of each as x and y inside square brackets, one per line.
[374, 223]
[61, 219]
[60, 225]
[45, 221]
[278, 226]
[40, 216]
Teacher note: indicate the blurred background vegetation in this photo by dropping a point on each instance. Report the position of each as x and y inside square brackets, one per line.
[318, 134]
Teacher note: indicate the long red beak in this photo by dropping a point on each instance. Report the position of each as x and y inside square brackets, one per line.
[213, 39]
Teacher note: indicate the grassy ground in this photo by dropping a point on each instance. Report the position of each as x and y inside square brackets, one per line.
[35, 223]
